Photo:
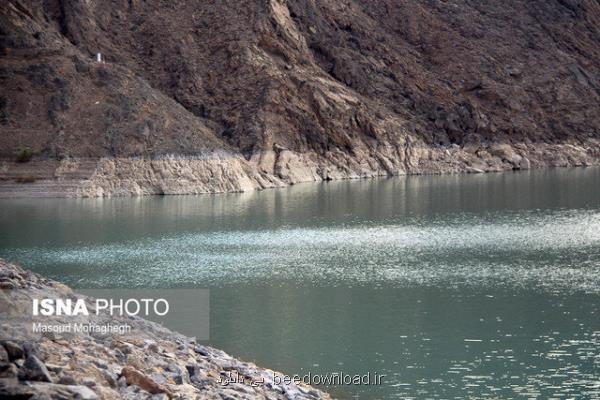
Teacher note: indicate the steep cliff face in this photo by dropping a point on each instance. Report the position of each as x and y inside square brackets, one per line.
[298, 90]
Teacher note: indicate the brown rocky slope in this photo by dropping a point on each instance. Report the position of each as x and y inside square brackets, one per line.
[150, 362]
[212, 96]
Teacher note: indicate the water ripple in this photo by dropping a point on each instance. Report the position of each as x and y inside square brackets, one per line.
[557, 250]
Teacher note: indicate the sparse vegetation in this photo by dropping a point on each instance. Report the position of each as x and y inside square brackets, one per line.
[26, 179]
[24, 154]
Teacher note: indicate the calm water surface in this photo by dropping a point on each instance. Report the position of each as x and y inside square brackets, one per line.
[480, 286]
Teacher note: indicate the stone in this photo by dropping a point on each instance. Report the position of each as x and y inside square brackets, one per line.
[8, 284]
[135, 377]
[34, 370]
[13, 350]
[180, 374]
[57, 391]
[3, 354]
[122, 382]
[12, 389]
[57, 369]
[525, 163]
[8, 370]
[201, 350]
[191, 370]
[83, 393]
[106, 393]
[506, 152]
[30, 348]
[110, 378]
[67, 380]
[89, 382]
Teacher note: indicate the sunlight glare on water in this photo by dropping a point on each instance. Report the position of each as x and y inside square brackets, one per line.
[453, 286]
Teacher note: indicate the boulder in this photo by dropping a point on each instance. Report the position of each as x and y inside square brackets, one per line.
[135, 377]
[34, 370]
[13, 350]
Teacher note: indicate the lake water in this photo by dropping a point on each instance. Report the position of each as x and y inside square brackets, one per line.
[480, 286]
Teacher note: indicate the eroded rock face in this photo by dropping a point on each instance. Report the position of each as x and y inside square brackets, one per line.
[152, 363]
[111, 176]
[296, 90]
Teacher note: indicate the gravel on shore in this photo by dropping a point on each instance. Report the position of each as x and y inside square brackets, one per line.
[150, 362]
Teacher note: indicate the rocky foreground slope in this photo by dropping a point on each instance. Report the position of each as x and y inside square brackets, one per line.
[212, 96]
[150, 363]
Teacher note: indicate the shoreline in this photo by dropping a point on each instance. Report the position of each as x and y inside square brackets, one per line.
[231, 173]
[150, 361]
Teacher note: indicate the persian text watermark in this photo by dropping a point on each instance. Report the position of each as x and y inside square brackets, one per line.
[312, 379]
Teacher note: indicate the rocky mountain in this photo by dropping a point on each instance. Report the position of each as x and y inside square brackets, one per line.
[210, 96]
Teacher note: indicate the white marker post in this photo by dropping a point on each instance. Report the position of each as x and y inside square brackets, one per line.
[99, 57]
